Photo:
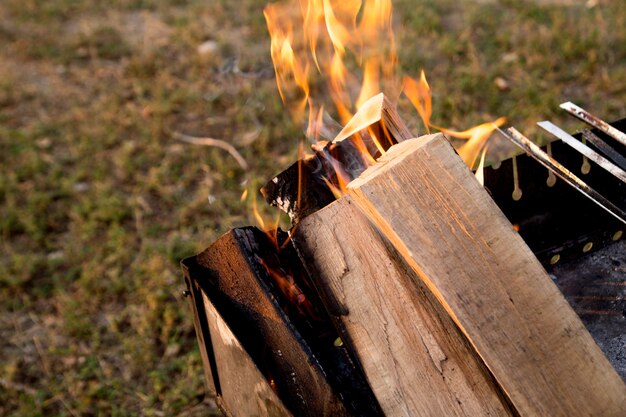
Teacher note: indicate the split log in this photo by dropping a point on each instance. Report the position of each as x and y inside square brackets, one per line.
[416, 360]
[290, 342]
[377, 118]
[243, 390]
[426, 201]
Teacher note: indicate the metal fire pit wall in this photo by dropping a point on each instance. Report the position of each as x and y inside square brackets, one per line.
[556, 221]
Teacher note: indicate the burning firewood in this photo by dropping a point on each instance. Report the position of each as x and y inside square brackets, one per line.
[421, 297]
[305, 186]
[263, 296]
[423, 278]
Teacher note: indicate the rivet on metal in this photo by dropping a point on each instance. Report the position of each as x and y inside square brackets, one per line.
[517, 192]
[586, 167]
[551, 177]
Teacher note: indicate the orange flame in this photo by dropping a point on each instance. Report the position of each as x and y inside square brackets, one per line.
[313, 14]
[480, 171]
[334, 37]
[287, 285]
[378, 52]
[476, 139]
[290, 72]
[334, 34]
[269, 228]
[340, 17]
[371, 81]
[419, 94]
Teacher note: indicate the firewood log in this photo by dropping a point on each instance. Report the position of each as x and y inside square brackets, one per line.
[445, 226]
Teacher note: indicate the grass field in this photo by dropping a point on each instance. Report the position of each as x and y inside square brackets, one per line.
[98, 201]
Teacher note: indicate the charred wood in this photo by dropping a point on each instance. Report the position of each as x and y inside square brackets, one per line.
[266, 299]
[303, 188]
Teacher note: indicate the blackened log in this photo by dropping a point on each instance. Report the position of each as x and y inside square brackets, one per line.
[290, 340]
[352, 151]
[282, 190]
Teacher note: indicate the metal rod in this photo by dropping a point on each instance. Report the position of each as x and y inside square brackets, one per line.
[594, 121]
[566, 175]
[605, 148]
[583, 149]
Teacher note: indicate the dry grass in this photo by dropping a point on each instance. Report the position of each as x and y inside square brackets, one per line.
[98, 202]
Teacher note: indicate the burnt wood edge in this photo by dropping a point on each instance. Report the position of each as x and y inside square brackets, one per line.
[203, 283]
[202, 329]
[356, 395]
[338, 365]
[203, 334]
[206, 345]
[282, 190]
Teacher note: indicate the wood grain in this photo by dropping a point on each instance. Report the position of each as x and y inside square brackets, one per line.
[245, 391]
[416, 360]
[377, 113]
[451, 233]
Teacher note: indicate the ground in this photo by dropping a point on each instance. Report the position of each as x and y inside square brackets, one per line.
[99, 201]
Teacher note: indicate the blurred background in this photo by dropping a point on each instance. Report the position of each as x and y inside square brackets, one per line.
[99, 200]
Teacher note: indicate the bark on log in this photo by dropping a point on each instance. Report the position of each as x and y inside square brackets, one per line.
[424, 199]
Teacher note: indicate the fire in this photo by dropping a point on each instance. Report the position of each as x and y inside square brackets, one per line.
[291, 73]
[336, 39]
[269, 228]
[476, 139]
[282, 276]
[368, 114]
[349, 46]
[327, 39]
[286, 283]
[480, 173]
[419, 94]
